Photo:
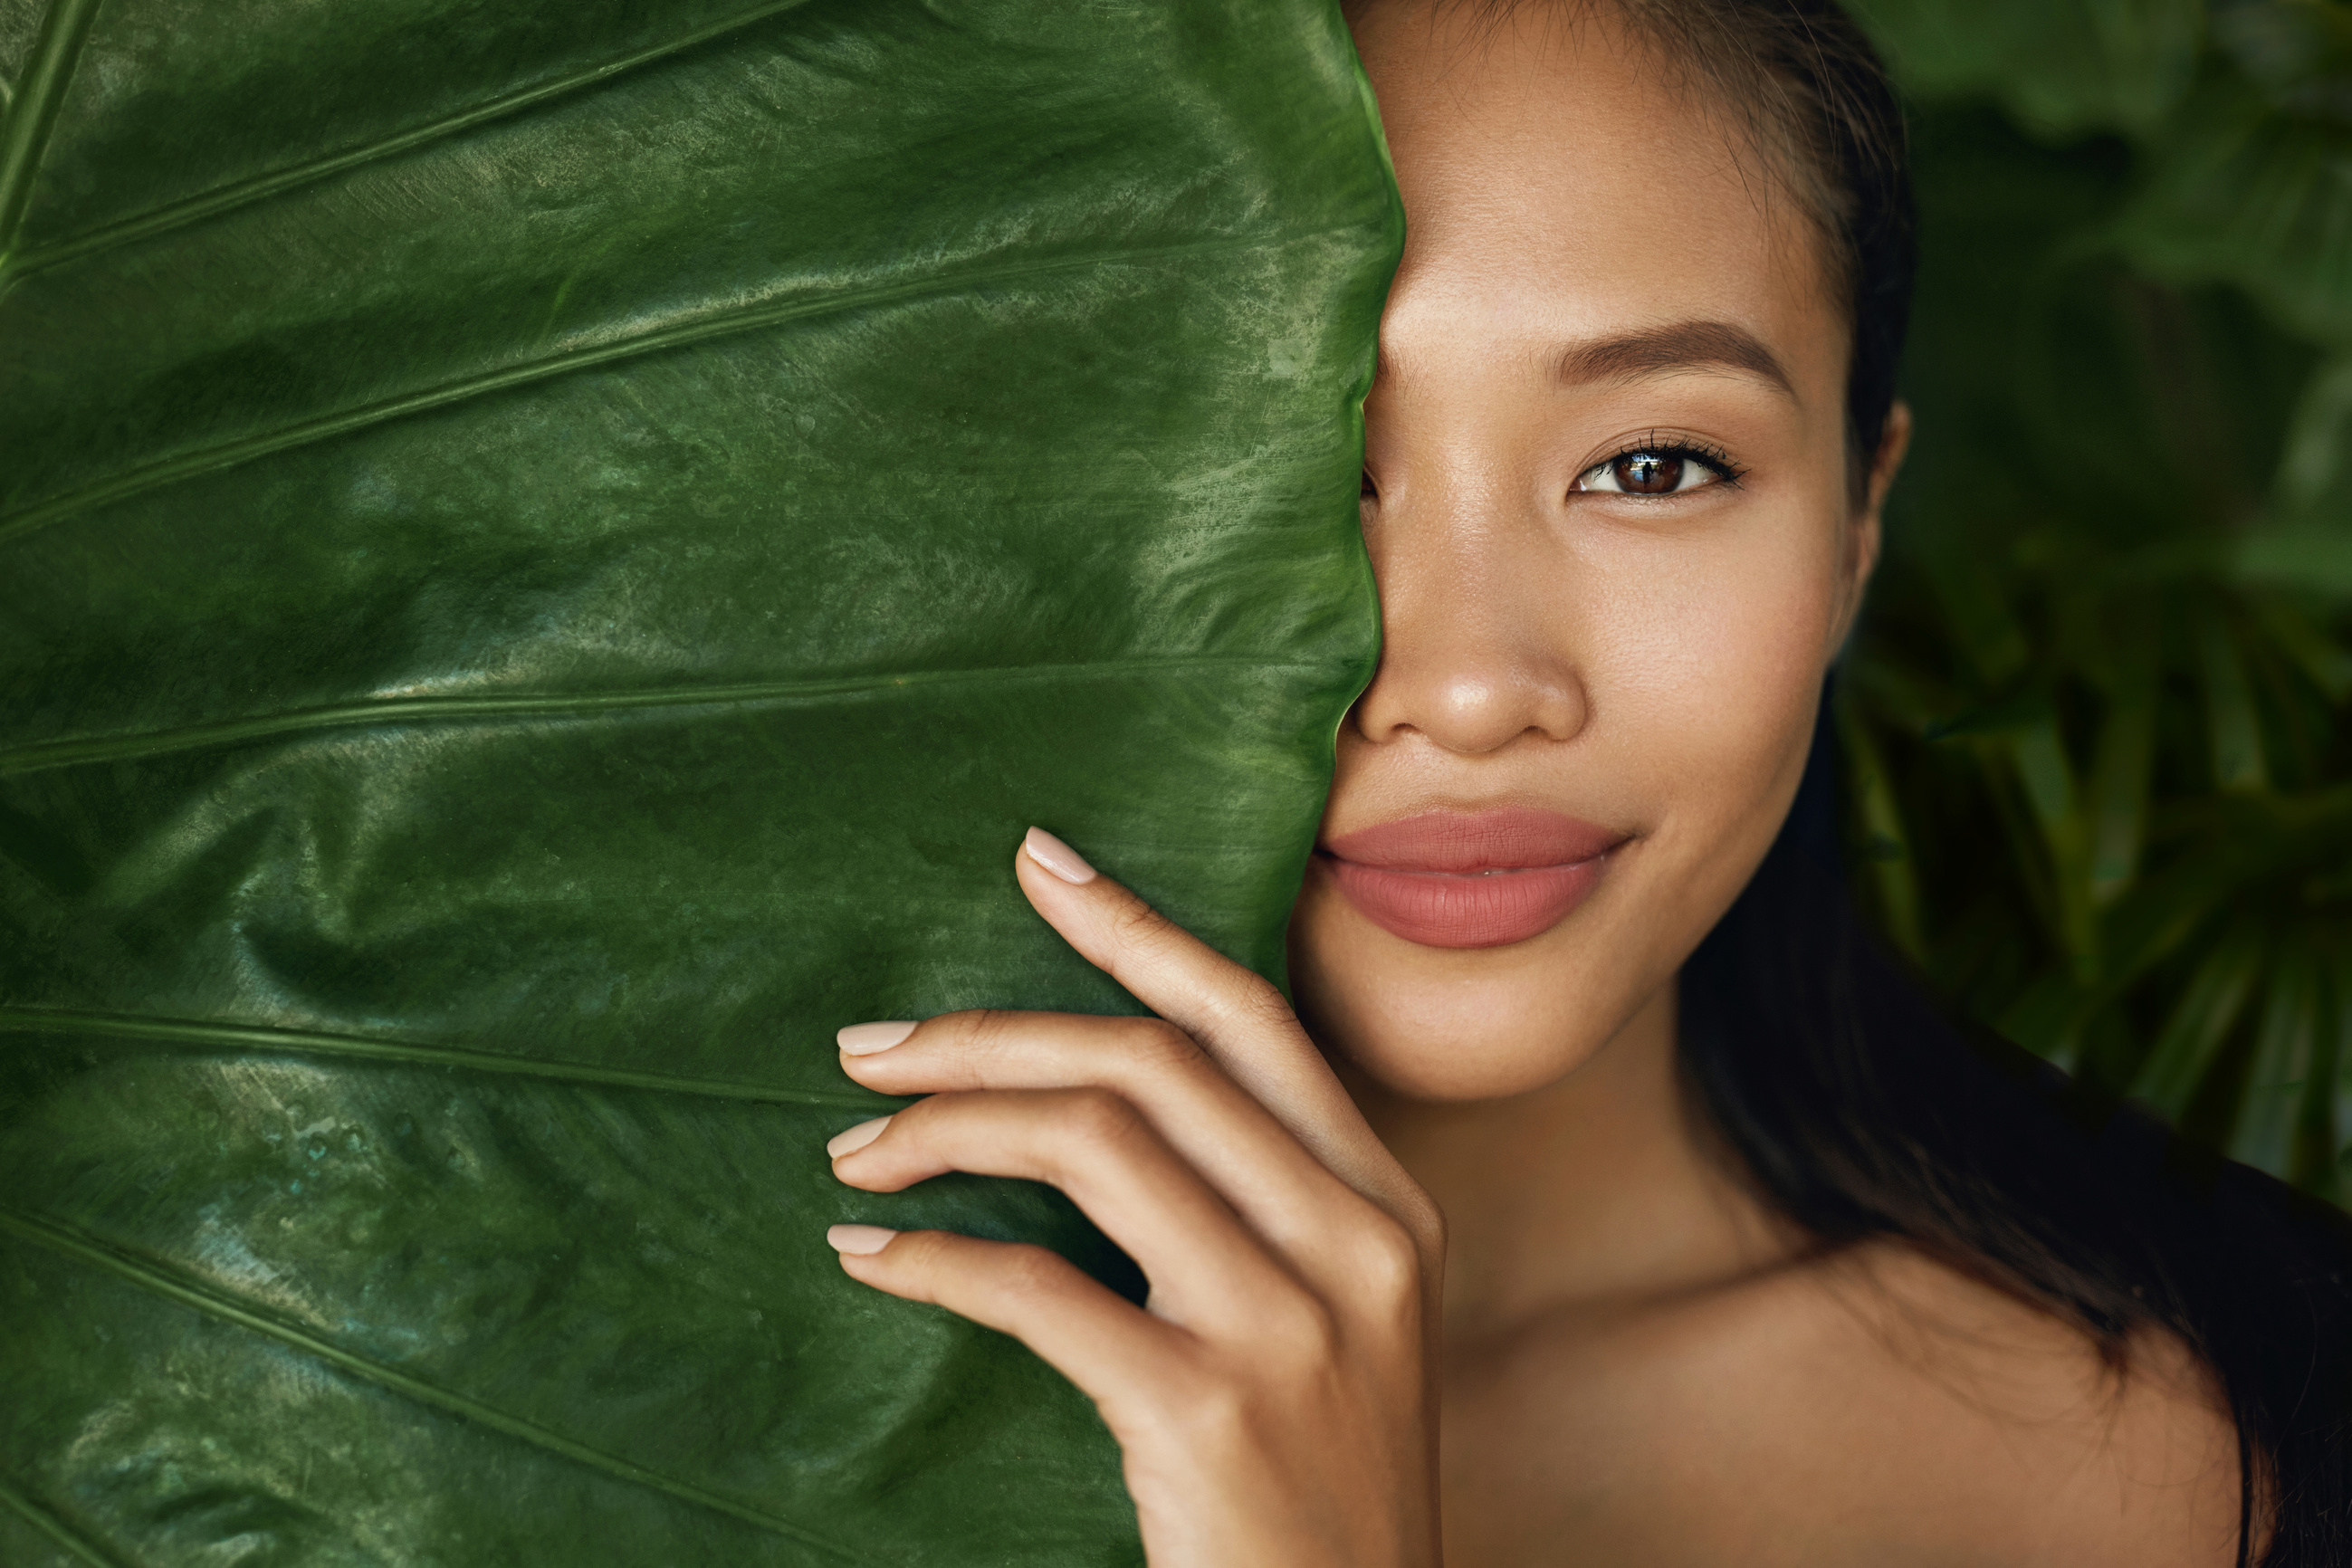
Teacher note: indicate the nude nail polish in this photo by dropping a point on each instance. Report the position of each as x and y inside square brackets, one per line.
[865, 1039]
[860, 1240]
[856, 1138]
[1056, 856]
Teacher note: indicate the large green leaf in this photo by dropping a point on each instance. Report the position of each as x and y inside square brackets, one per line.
[552, 552]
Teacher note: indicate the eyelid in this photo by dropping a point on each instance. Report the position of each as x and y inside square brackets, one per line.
[1705, 453]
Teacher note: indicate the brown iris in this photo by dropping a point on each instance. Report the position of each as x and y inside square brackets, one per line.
[1647, 473]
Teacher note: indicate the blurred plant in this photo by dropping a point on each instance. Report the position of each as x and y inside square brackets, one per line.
[2098, 722]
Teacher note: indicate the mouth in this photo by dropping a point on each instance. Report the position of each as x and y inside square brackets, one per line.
[1449, 878]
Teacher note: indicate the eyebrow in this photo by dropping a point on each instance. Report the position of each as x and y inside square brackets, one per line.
[1680, 346]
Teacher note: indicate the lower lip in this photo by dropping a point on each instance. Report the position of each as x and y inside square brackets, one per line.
[1466, 909]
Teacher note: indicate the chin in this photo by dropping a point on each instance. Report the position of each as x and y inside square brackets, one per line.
[1442, 1025]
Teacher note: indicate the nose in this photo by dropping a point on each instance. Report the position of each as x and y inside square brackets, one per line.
[1477, 629]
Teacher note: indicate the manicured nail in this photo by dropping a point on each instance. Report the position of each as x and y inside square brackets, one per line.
[1058, 857]
[860, 1240]
[865, 1039]
[856, 1138]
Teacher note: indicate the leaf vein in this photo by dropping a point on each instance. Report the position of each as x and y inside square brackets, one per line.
[25, 137]
[209, 1300]
[683, 335]
[228, 198]
[46, 754]
[22, 1504]
[259, 1038]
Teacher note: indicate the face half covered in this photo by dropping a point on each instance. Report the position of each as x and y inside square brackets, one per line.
[1607, 501]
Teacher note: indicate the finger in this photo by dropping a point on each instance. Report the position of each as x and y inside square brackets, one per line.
[1112, 1351]
[1205, 1267]
[1164, 966]
[1236, 1016]
[1246, 1156]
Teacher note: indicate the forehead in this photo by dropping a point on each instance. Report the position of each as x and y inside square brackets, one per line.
[1563, 180]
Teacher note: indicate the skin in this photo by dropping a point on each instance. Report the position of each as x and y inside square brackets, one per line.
[1468, 1192]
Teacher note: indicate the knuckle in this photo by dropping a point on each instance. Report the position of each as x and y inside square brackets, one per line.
[1302, 1329]
[1416, 1214]
[1211, 1408]
[1025, 1272]
[984, 1029]
[1100, 1117]
[1425, 1223]
[1389, 1257]
[1157, 1048]
[1259, 1008]
[1136, 926]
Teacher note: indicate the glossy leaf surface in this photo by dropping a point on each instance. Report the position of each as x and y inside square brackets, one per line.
[551, 553]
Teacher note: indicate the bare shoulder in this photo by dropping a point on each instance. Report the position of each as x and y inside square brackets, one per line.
[2036, 1446]
[1876, 1406]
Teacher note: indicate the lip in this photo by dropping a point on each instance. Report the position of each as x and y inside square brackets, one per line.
[1451, 878]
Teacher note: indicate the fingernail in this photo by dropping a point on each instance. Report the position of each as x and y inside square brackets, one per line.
[1058, 857]
[860, 1240]
[856, 1138]
[865, 1039]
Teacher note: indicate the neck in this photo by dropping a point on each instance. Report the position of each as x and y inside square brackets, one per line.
[1600, 1190]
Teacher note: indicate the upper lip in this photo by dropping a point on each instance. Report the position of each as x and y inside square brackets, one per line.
[1464, 842]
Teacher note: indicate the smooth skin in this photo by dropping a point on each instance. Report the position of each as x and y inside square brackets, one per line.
[1631, 1359]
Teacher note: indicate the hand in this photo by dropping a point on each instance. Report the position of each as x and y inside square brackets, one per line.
[1273, 1399]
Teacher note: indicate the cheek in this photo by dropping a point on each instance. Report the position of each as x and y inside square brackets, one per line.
[1701, 654]
[1704, 663]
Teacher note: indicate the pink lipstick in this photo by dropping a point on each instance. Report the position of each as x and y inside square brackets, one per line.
[1448, 878]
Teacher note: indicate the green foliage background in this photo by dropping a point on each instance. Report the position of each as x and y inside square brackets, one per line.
[2096, 722]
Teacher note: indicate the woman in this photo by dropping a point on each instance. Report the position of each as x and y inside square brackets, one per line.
[1744, 1257]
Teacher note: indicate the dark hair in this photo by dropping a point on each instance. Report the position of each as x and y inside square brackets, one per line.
[1853, 1101]
[1805, 91]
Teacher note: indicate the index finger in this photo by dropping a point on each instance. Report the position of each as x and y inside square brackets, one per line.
[1238, 1017]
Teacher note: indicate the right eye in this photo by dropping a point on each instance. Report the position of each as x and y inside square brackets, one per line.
[1370, 490]
[1658, 468]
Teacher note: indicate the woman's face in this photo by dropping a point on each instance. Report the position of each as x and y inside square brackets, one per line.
[1594, 703]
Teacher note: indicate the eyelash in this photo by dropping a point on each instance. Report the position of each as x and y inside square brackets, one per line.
[1706, 456]
[1726, 472]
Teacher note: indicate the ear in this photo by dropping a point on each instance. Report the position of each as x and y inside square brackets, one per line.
[1863, 538]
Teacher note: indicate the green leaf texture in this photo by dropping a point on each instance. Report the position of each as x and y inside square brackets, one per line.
[550, 552]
